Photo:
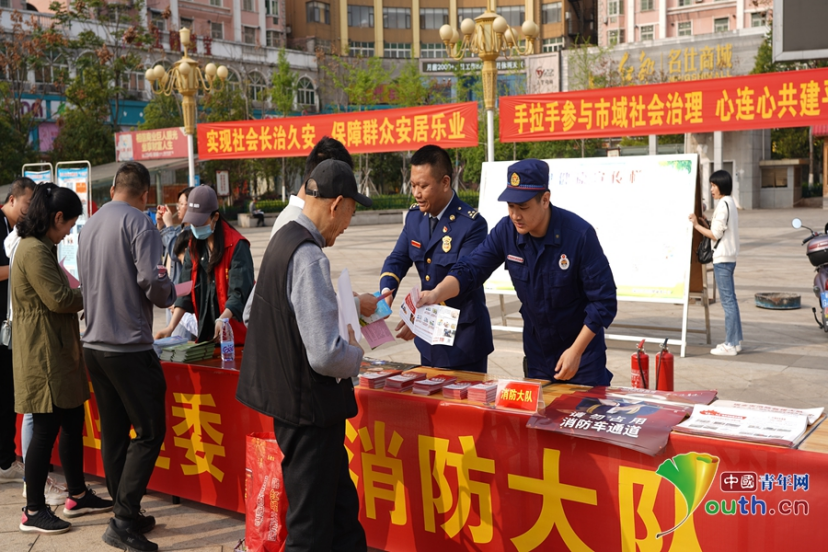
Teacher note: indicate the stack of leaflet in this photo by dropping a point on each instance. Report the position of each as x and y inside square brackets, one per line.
[375, 379]
[160, 344]
[432, 385]
[403, 382]
[483, 392]
[189, 352]
[457, 390]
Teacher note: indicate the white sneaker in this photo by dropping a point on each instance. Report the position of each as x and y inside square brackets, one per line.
[55, 493]
[14, 474]
[738, 347]
[723, 349]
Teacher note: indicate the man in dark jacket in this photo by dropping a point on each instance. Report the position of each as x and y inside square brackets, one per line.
[298, 369]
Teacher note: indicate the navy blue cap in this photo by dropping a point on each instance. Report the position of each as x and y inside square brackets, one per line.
[527, 179]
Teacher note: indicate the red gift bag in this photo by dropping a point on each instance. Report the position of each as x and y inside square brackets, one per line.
[264, 493]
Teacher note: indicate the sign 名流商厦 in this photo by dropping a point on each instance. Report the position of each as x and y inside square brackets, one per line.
[404, 129]
[770, 100]
[145, 145]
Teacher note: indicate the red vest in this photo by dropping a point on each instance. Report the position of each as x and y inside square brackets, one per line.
[221, 274]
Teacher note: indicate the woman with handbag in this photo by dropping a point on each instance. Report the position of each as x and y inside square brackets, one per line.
[49, 373]
[724, 231]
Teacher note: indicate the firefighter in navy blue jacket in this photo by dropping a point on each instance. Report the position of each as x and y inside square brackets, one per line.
[560, 274]
[438, 230]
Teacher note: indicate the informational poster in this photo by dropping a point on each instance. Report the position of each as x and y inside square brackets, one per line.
[638, 207]
[39, 176]
[146, 145]
[77, 180]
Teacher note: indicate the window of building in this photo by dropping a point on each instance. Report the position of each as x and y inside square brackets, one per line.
[646, 5]
[305, 93]
[647, 32]
[233, 80]
[721, 24]
[685, 28]
[361, 16]
[5, 3]
[397, 50]
[158, 20]
[396, 18]
[217, 31]
[133, 81]
[248, 5]
[257, 86]
[552, 44]
[514, 15]
[272, 10]
[469, 13]
[433, 18]
[616, 7]
[249, 35]
[616, 37]
[318, 12]
[759, 19]
[273, 39]
[52, 68]
[432, 50]
[186, 23]
[551, 13]
[215, 3]
[360, 49]
[684, 2]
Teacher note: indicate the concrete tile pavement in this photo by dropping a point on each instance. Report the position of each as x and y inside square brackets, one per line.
[784, 362]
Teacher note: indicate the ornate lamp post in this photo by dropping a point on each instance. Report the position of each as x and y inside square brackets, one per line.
[186, 78]
[488, 36]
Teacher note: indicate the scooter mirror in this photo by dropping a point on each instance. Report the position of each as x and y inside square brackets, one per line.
[796, 223]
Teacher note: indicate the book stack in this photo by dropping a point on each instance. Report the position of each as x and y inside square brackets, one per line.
[457, 390]
[483, 392]
[375, 379]
[160, 344]
[403, 382]
[432, 385]
[189, 352]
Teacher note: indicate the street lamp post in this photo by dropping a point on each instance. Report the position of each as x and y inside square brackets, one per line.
[186, 78]
[488, 36]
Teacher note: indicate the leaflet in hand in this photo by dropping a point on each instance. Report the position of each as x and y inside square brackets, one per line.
[382, 312]
[434, 324]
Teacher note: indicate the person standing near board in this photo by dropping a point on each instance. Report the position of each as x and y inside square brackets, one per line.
[560, 274]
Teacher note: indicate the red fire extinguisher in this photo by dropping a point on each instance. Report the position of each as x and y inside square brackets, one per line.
[640, 367]
[664, 369]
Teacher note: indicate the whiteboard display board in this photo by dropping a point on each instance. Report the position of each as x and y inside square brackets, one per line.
[638, 207]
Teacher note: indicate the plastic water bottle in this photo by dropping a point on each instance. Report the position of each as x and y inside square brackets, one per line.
[228, 349]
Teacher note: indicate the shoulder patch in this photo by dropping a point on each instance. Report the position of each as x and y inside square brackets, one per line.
[413, 206]
[471, 213]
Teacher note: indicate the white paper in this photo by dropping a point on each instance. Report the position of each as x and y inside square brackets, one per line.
[812, 413]
[745, 424]
[434, 324]
[347, 309]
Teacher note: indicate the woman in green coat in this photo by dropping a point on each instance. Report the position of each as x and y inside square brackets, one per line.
[50, 380]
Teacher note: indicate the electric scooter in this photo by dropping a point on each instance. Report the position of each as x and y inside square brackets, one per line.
[818, 255]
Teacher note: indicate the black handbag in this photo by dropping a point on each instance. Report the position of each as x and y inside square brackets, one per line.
[704, 253]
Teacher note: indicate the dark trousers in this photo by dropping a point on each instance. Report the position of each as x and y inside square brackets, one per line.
[129, 389]
[8, 417]
[39, 456]
[323, 506]
[259, 219]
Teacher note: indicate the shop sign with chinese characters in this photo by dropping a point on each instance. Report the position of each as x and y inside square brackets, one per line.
[771, 100]
[146, 145]
[451, 126]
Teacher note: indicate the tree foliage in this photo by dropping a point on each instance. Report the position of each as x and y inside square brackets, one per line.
[285, 82]
[356, 78]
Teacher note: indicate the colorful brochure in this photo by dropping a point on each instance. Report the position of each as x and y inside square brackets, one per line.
[434, 324]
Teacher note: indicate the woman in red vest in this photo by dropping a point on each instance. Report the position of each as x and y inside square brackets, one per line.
[222, 275]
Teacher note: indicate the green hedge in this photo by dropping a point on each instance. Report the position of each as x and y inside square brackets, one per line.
[380, 202]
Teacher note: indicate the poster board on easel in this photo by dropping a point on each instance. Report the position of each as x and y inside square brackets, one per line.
[638, 207]
[74, 175]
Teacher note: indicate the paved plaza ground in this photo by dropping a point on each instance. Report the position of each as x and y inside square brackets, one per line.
[784, 361]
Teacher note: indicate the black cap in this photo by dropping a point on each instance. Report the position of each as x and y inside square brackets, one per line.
[333, 179]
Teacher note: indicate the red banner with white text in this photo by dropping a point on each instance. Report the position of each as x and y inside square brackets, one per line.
[771, 100]
[450, 126]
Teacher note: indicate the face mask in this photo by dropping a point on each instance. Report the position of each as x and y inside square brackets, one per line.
[202, 232]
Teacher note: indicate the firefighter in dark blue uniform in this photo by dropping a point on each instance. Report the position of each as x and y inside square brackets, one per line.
[560, 274]
[438, 230]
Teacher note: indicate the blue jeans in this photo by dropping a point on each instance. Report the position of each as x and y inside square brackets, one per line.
[727, 293]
